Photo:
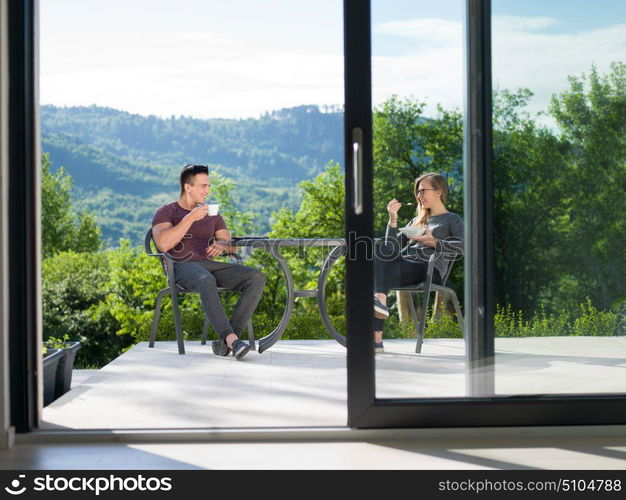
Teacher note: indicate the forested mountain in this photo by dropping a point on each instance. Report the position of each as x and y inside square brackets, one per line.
[124, 165]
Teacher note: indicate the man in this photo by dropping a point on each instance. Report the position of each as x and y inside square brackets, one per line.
[192, 238]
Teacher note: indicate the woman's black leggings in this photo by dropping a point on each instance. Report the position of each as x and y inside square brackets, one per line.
[391, 271]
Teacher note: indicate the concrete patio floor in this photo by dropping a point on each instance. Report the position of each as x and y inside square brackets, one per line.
[302, 383]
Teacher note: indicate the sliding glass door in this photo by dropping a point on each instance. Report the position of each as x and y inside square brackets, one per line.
[487, 335]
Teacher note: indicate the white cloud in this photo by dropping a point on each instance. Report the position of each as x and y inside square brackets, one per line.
[526, 53]
[526, 24]
[542, 61]
[203, 74]
[428, 29]
[412, 76]
[202, 36]
[432, 73]
[215, 86]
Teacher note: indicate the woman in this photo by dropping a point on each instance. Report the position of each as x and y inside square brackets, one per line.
[402, 261]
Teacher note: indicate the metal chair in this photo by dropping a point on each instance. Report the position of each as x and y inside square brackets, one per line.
[426, 287]
[173, 289]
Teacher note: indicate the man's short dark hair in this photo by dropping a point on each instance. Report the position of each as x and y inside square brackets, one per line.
[190, 171]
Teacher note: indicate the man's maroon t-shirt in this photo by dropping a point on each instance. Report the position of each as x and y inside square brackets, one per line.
[194, 244]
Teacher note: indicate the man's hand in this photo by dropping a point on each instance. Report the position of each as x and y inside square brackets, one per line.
[216, 248]
[198, 213]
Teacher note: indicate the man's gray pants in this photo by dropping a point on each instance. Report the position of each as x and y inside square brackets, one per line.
[205, 276]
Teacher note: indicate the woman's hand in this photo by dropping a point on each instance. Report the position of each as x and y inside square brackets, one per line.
[426, 239]
[392, 208]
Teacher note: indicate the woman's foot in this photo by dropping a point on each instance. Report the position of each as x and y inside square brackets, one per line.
[378, 347]
[380, 309]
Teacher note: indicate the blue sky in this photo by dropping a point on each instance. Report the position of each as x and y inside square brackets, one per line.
[239, 58]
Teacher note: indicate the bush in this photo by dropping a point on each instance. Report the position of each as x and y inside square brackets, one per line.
[509, 323]
[444, 327]
[134, 282]
[303, 325]
[191, 323]
[589, 322]
[596, 323]
[74, 285]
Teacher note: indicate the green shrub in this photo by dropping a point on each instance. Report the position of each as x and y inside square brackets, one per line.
[444, 327]
[74, 286]
[506, 321]
[395, 329]
[302, 325]
[134, 281]
[509, 323]
[191, 322]
[589, 322]
[596, 323]
[57, 343]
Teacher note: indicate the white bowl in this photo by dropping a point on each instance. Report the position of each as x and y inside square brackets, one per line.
[412, 231]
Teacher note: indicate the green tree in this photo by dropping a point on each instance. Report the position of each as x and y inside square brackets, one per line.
[321, 212]
[590, 114]
[61, 228]
[559, 227]
[237, 221]
[529, 166]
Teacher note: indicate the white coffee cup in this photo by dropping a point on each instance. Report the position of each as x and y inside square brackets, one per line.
[214, 208]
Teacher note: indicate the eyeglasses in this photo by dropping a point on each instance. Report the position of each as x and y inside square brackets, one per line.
[421, 191]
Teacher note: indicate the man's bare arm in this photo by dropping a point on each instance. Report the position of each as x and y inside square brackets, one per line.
[222, 235]
[167, 236]
[218, 248]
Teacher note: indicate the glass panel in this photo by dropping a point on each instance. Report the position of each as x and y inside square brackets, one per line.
[132, 91]
[560, 174]
[417, 88]
[558, 78]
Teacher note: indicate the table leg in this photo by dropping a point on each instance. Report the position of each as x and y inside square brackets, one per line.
[270, 339]
[333, 255]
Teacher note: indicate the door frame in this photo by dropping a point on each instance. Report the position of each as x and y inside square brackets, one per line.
[364, 410]
[24, 226]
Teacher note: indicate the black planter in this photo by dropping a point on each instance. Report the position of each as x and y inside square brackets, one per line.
[64, 370]
[50, 365]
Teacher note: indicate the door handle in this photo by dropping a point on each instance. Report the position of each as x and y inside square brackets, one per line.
[357, 170]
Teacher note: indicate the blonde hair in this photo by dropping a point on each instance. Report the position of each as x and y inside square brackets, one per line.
[437, 181]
